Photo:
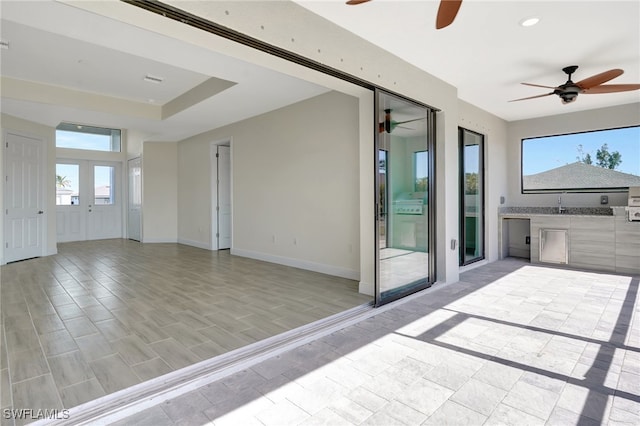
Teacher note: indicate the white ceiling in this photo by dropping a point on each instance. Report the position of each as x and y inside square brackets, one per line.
[65, 47]
[484, 53]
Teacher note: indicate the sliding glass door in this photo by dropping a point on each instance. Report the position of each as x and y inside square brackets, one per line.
[471, 196]
[404, 197]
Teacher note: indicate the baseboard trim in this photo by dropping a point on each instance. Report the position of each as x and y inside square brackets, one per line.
[192, 243]
[366, 288]
[297, 263]
[159, 240]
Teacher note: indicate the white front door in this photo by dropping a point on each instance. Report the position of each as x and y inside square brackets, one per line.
[135, 199]
[24, 212]
[88, 200]
[224, 197]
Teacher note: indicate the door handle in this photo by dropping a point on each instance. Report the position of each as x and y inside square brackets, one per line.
[41, 212]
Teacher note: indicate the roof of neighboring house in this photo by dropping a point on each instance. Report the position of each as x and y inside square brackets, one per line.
[579, 175]
[102, 191]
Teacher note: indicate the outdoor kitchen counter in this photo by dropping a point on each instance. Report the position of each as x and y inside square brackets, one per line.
[598, 238]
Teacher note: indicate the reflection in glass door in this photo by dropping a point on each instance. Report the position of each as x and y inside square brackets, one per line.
[404, 193]
[471, 196]
[383, 156]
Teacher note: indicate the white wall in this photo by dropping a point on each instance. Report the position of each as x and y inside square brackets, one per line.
[295, 185]
[598, 119]
[160, 192]
[47, 134]
[134, 139]
[496, 166]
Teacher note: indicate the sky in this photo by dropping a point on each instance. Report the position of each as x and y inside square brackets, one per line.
[541, 154]
[66, 139]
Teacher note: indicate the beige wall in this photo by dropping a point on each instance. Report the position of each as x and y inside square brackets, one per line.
[160, 192]
[47, 134]
[597, 119]
[295, 185]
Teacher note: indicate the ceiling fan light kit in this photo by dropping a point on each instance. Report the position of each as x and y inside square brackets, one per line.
[569, 91]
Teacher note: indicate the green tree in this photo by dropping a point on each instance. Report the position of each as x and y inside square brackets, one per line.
[583, 158]
[471, 185]
[604, 158]
[422, 184]
[62, 182]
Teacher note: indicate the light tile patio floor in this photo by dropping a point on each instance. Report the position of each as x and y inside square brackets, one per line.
[510, 344]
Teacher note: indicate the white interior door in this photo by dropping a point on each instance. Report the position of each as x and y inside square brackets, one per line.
[135, 199]
[88, 200]
[224, 197]
[24, 213]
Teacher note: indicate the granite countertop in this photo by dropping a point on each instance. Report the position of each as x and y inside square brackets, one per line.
[553, 211]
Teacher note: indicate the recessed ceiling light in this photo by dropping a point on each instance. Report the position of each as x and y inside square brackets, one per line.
[153, 79]
[529, 22]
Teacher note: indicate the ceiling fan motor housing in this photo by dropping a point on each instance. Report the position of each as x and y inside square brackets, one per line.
[568, 92]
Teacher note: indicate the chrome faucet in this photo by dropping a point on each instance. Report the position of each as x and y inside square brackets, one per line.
[560, 208]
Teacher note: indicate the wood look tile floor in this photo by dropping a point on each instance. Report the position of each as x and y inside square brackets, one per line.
[101, 316]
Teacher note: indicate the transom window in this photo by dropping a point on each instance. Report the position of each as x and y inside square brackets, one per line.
[92, 138]
[595, 161]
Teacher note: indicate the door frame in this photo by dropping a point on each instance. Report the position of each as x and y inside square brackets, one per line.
[128, 195]
[462, 204]
[213, 214]
[431, 197]
[44, 194]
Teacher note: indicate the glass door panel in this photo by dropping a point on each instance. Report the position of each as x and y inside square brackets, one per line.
[67, 184]
[70, 214]
[471, 197]
[104, 215]
[403, 194]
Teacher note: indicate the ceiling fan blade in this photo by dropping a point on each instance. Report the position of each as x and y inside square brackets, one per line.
[539, 85]
[447, 12]
[612, 88]
[408, 121]
[532, 97]
[354, 2]
[598, 79]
